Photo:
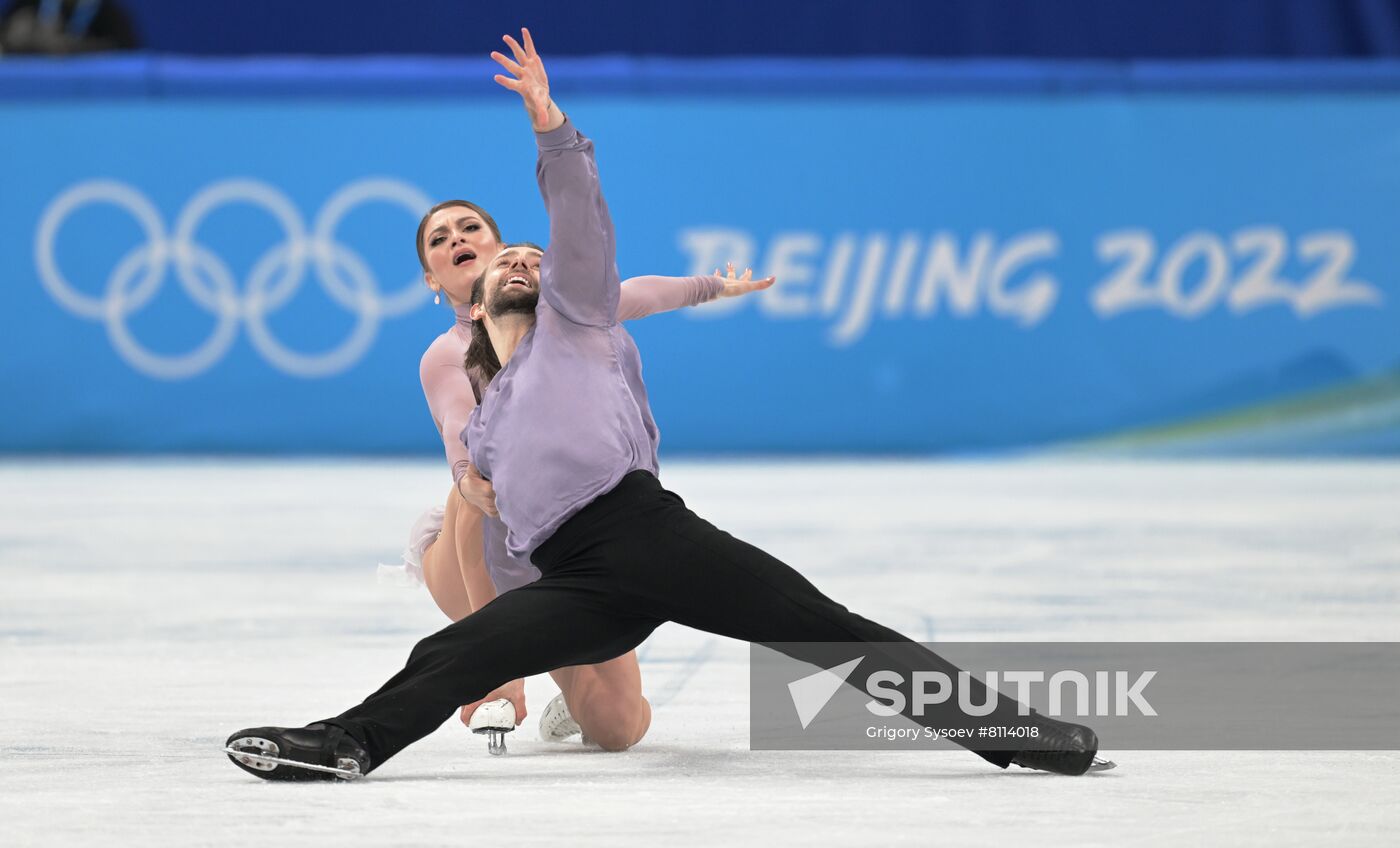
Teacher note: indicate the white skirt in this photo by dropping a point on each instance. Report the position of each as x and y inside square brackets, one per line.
[425, 531]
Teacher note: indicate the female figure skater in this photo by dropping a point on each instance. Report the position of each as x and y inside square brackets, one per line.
[458, 550]
[619, 555]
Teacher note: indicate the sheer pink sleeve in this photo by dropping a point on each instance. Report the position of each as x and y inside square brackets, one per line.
[643, 296]
[451, 396]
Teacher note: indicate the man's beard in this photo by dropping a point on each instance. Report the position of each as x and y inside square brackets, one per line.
[508, 302]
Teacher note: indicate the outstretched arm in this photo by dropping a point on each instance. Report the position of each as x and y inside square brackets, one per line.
[643, 296]
[578, 275]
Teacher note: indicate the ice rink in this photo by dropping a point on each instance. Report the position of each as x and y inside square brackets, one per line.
[149, 608]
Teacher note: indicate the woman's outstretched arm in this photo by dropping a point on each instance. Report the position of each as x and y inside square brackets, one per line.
[649, 295]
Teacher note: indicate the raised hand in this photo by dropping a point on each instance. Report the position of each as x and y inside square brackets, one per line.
[529, 81]
[735, 286]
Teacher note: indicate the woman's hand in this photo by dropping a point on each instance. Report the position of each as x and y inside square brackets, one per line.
[735, 286]
[478, 491]
[530, 82]
[513, 691]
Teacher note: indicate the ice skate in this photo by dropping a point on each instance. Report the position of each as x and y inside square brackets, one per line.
[495, 719]
[1062, 748]
[557, 724]
[316, 752]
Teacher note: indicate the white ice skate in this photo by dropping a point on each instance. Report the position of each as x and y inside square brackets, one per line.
[495, 719]
[556, 724]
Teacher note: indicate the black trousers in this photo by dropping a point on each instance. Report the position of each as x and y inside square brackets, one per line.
[631, 560]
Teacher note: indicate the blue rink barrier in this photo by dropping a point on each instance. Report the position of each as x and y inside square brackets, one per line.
[217, 255]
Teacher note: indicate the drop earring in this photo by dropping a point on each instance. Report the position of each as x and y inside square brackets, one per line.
[437, 298]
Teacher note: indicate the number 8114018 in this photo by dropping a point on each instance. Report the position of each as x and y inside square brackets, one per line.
[1200, 270]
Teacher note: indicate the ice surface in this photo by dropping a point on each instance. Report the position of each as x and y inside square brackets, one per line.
[149, 608]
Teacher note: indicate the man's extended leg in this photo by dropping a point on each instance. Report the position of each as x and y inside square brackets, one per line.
[674, 565]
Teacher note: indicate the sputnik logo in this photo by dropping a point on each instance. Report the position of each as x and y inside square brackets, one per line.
[811, 693]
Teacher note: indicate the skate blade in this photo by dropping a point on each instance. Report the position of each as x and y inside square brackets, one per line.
[1100, 764]
[496, 739]
[348, 770]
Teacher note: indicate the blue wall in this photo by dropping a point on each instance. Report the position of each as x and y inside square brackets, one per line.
[1111, 29]
[958, 271]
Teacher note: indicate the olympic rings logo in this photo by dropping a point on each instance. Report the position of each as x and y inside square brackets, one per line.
[207, 280]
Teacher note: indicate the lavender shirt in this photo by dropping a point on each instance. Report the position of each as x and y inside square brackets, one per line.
[452, 391]
[567, 417]
[452, 394]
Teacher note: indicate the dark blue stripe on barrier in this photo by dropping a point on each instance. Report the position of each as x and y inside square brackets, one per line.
[146, 75]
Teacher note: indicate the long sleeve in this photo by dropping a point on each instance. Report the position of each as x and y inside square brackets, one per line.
[578, 275]
[451, 397]
[643, 296]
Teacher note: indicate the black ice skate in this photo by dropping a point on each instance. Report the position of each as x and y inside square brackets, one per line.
[316, 752]
[1063, 748]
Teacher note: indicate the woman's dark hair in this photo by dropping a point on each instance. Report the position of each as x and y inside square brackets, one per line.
[448, 204]
[481, 355]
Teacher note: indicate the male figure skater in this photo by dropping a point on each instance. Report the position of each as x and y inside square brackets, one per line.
[565, 433]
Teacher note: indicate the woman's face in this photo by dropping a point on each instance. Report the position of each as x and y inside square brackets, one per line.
[458, 245]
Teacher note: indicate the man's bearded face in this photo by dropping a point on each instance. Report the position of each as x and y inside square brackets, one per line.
[513, 282]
